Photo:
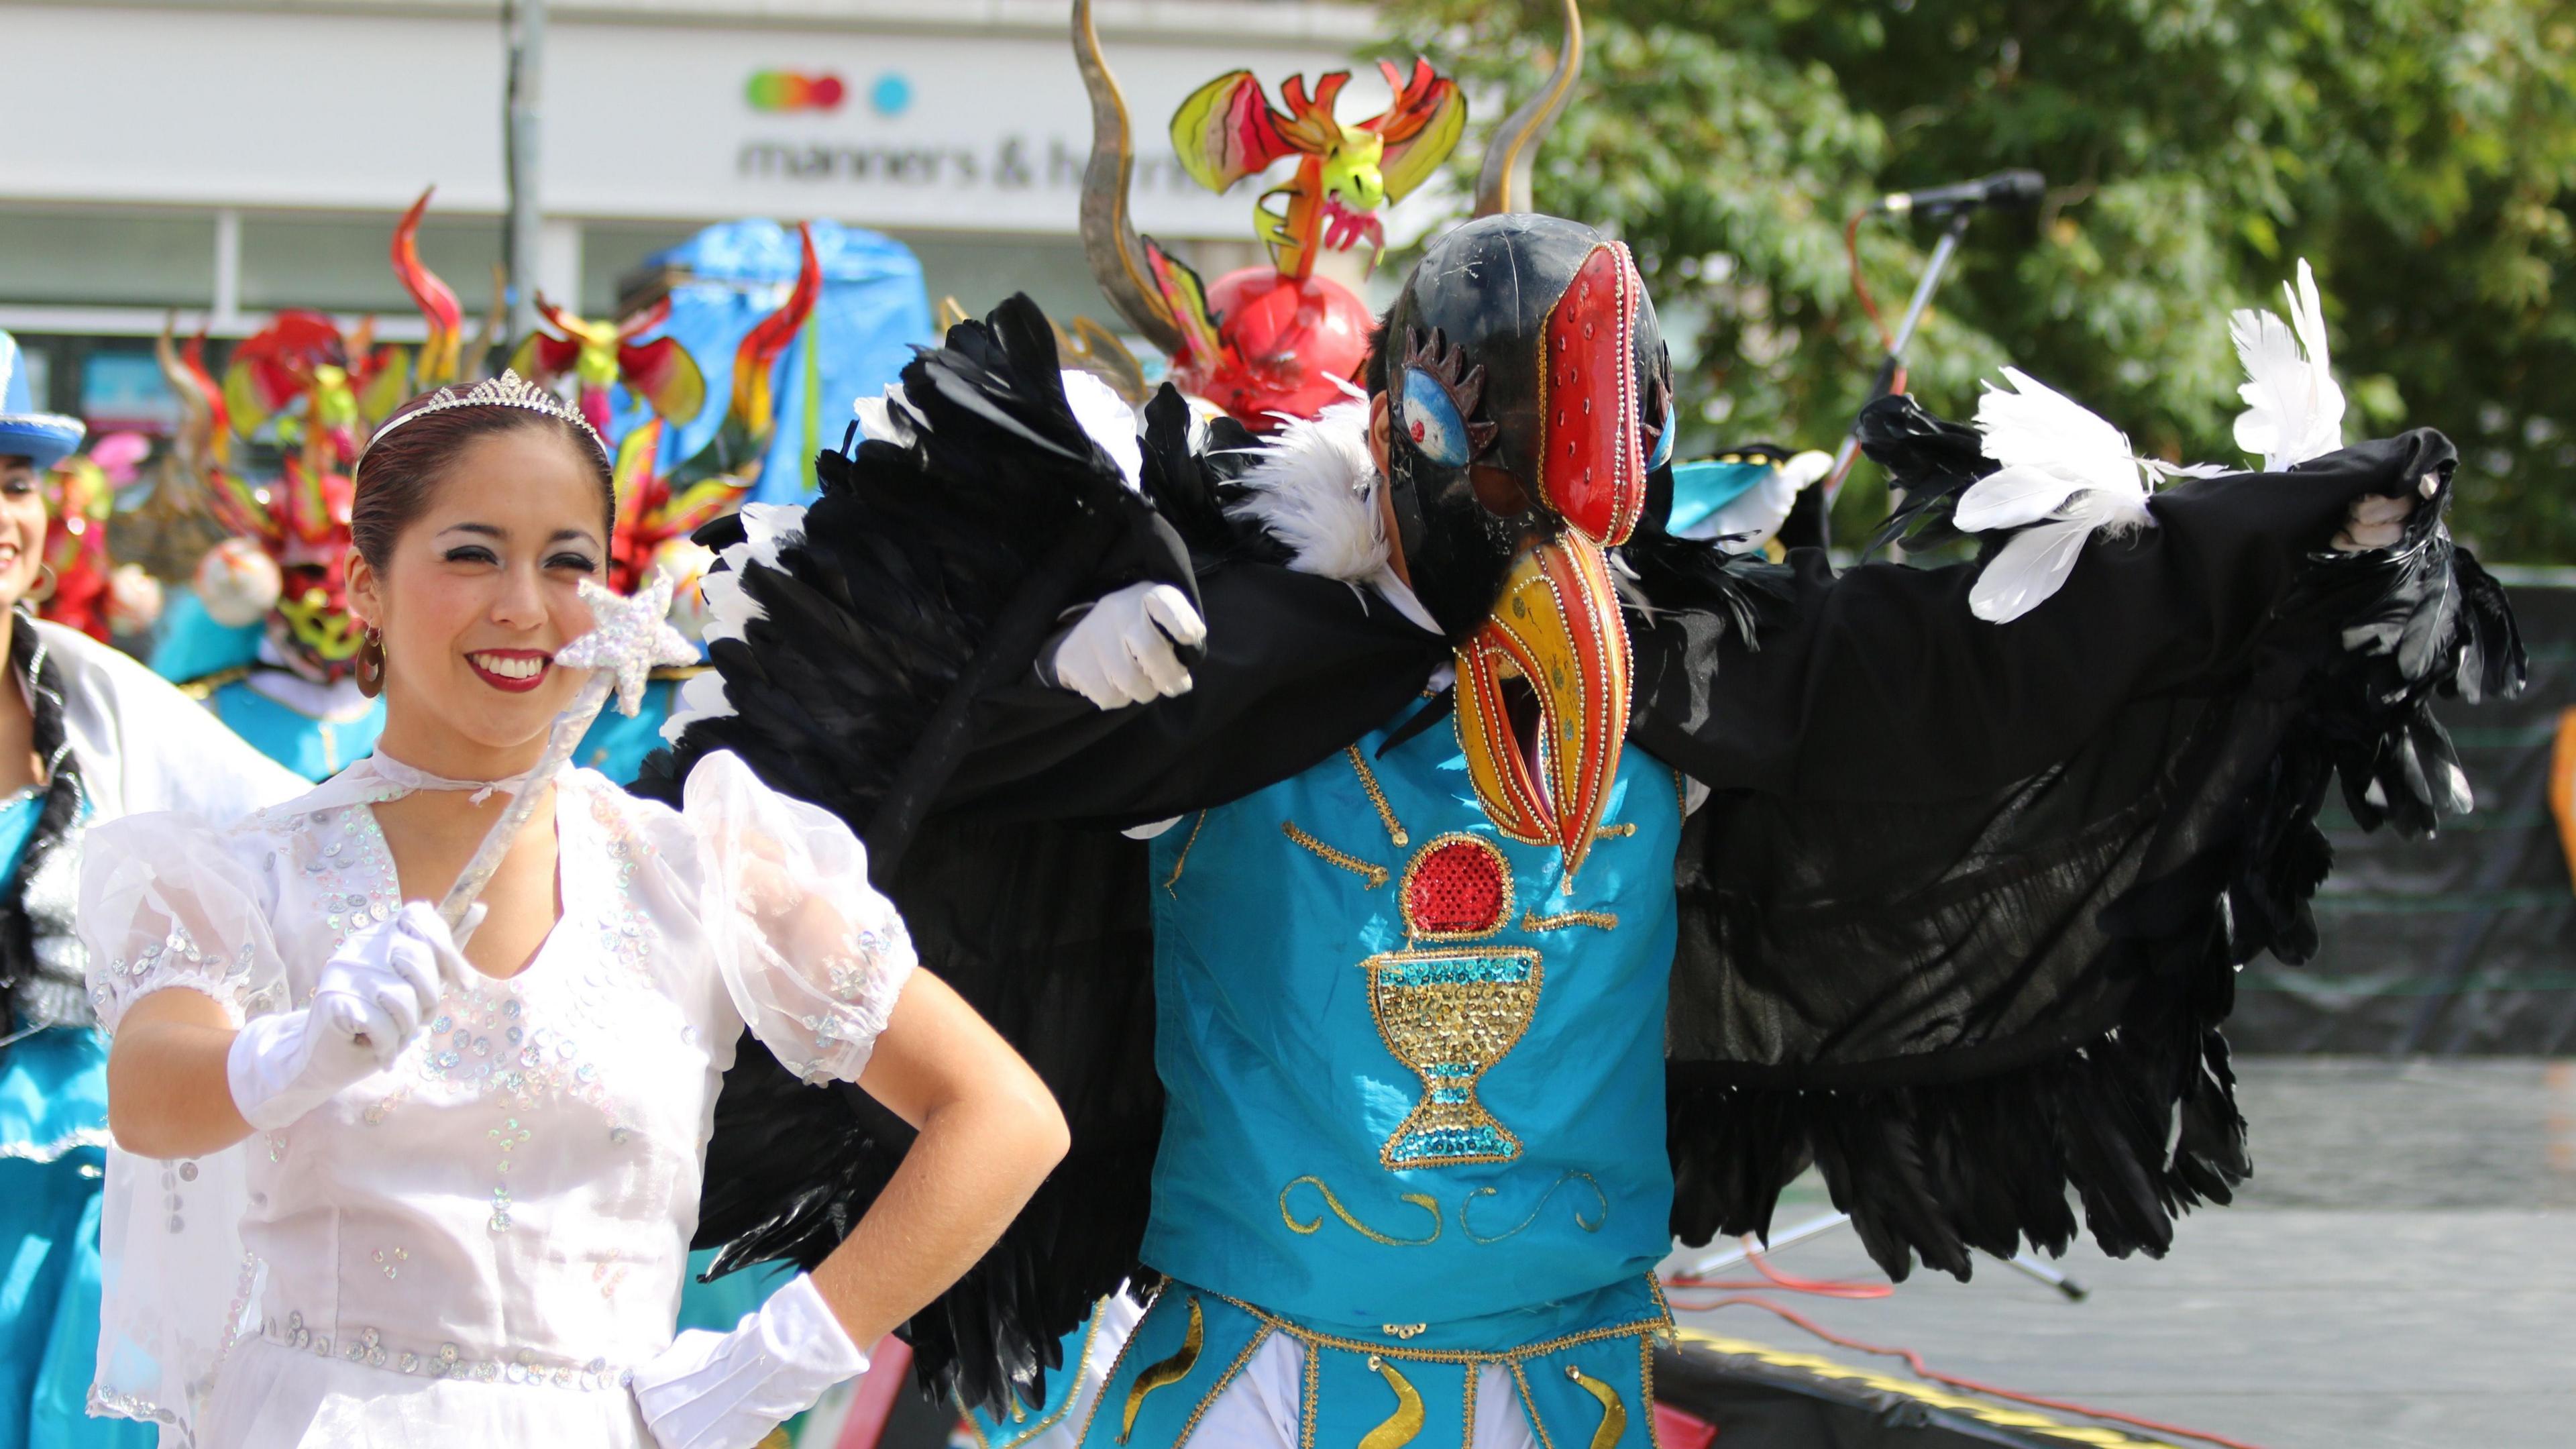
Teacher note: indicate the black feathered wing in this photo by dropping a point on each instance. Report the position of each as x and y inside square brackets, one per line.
[1961, 918]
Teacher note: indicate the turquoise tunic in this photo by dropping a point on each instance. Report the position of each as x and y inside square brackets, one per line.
[1415, 1085]
[53, 1131]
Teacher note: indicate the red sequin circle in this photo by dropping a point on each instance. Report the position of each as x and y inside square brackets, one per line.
[1458, 886]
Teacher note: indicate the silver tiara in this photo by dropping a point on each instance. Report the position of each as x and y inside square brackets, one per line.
[509, 390]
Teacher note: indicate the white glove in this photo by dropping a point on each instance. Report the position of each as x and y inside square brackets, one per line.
[369, 1003]
[728, 1390]
[1123, 651]
[2376, 522]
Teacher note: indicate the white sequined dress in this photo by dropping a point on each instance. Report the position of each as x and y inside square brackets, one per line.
[475, 1246]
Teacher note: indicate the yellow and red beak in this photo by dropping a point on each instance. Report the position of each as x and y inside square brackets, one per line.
[1543, 697]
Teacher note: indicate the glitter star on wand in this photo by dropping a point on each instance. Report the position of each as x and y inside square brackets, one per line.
[628, 638]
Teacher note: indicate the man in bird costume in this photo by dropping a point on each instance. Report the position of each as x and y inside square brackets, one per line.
[1431, 887]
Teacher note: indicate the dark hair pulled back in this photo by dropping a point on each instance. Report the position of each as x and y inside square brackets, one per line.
[402, 468]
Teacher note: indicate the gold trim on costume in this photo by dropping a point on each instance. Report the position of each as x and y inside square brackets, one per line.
[1614, 1415]
[1333, 1201]
[1646, 1368]
[1311, 1396]
[1375, 875]
[1400, 1427]
[1662, 1322]
[1181, 861]
[1529, 1404]
[1377, 797]
[203, 687]
[1170, 1371]
[1117, 1363]
[1207, 1401]
[1022, 1430]
[1620, 831]
[1467, 1439]
[1533, 922]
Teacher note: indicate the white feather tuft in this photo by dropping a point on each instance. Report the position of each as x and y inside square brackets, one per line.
[1314, 489]
[2029, 568]
[2293, 407]
[1110, 422]
[891, 418]
[729, 610]
[701, 696]
[2066, 475]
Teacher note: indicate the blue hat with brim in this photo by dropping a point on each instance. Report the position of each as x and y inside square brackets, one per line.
[47, 438]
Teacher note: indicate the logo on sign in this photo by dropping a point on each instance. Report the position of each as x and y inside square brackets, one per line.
[787, 90]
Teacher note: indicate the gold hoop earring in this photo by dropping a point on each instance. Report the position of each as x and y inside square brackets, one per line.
[371, 664]
[46, 583]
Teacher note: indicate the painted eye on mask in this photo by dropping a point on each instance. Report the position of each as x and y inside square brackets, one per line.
[1663, 451]
[1431, 419]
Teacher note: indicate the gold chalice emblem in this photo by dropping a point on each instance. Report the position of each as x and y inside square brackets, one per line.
[1450, 1014]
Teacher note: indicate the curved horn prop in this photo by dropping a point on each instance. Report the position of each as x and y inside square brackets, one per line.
[1108, 235]
[1503, 184]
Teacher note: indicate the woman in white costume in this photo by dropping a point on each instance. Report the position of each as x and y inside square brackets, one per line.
[86, 734]
[414, 1191]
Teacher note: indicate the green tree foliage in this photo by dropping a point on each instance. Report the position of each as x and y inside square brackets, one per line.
[2419, 152]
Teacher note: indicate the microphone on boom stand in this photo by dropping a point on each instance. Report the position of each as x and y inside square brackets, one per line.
[2004, 188]
[1808, 522]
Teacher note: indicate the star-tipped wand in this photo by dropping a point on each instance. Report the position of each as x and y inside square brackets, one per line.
[628, 638]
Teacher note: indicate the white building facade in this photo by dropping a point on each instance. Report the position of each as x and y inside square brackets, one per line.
[228, 158]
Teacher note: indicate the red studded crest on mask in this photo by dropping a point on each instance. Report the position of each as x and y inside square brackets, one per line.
[1592, 462]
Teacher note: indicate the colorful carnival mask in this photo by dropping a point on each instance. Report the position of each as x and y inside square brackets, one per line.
[1528, 395]
[657, 510]
[600, 354]
[1262, 343]
[321, 392]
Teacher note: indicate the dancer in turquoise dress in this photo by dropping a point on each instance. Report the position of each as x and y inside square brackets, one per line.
[86, 734]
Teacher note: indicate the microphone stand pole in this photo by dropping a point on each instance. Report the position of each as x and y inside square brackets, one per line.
[1894, 362]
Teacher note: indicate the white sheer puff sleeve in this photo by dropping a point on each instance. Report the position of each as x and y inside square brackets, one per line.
[812, 955]
[164, 903]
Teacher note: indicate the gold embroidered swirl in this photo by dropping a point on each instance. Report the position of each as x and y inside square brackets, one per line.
[1405, 1422]
[1423, 1201]
[1170, 1371]
[1540, 1206]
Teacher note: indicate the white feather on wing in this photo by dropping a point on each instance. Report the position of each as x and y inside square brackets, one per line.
[2066, 474]
[2293, 407]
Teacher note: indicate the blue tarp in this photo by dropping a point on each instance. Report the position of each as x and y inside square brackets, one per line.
[872, 312]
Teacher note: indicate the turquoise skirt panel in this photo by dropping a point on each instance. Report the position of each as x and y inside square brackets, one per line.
[53, 1120]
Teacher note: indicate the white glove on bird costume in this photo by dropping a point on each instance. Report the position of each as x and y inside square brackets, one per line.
[368, 1005]
[2376, 522]
[1125, 650]
[728, 1390]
